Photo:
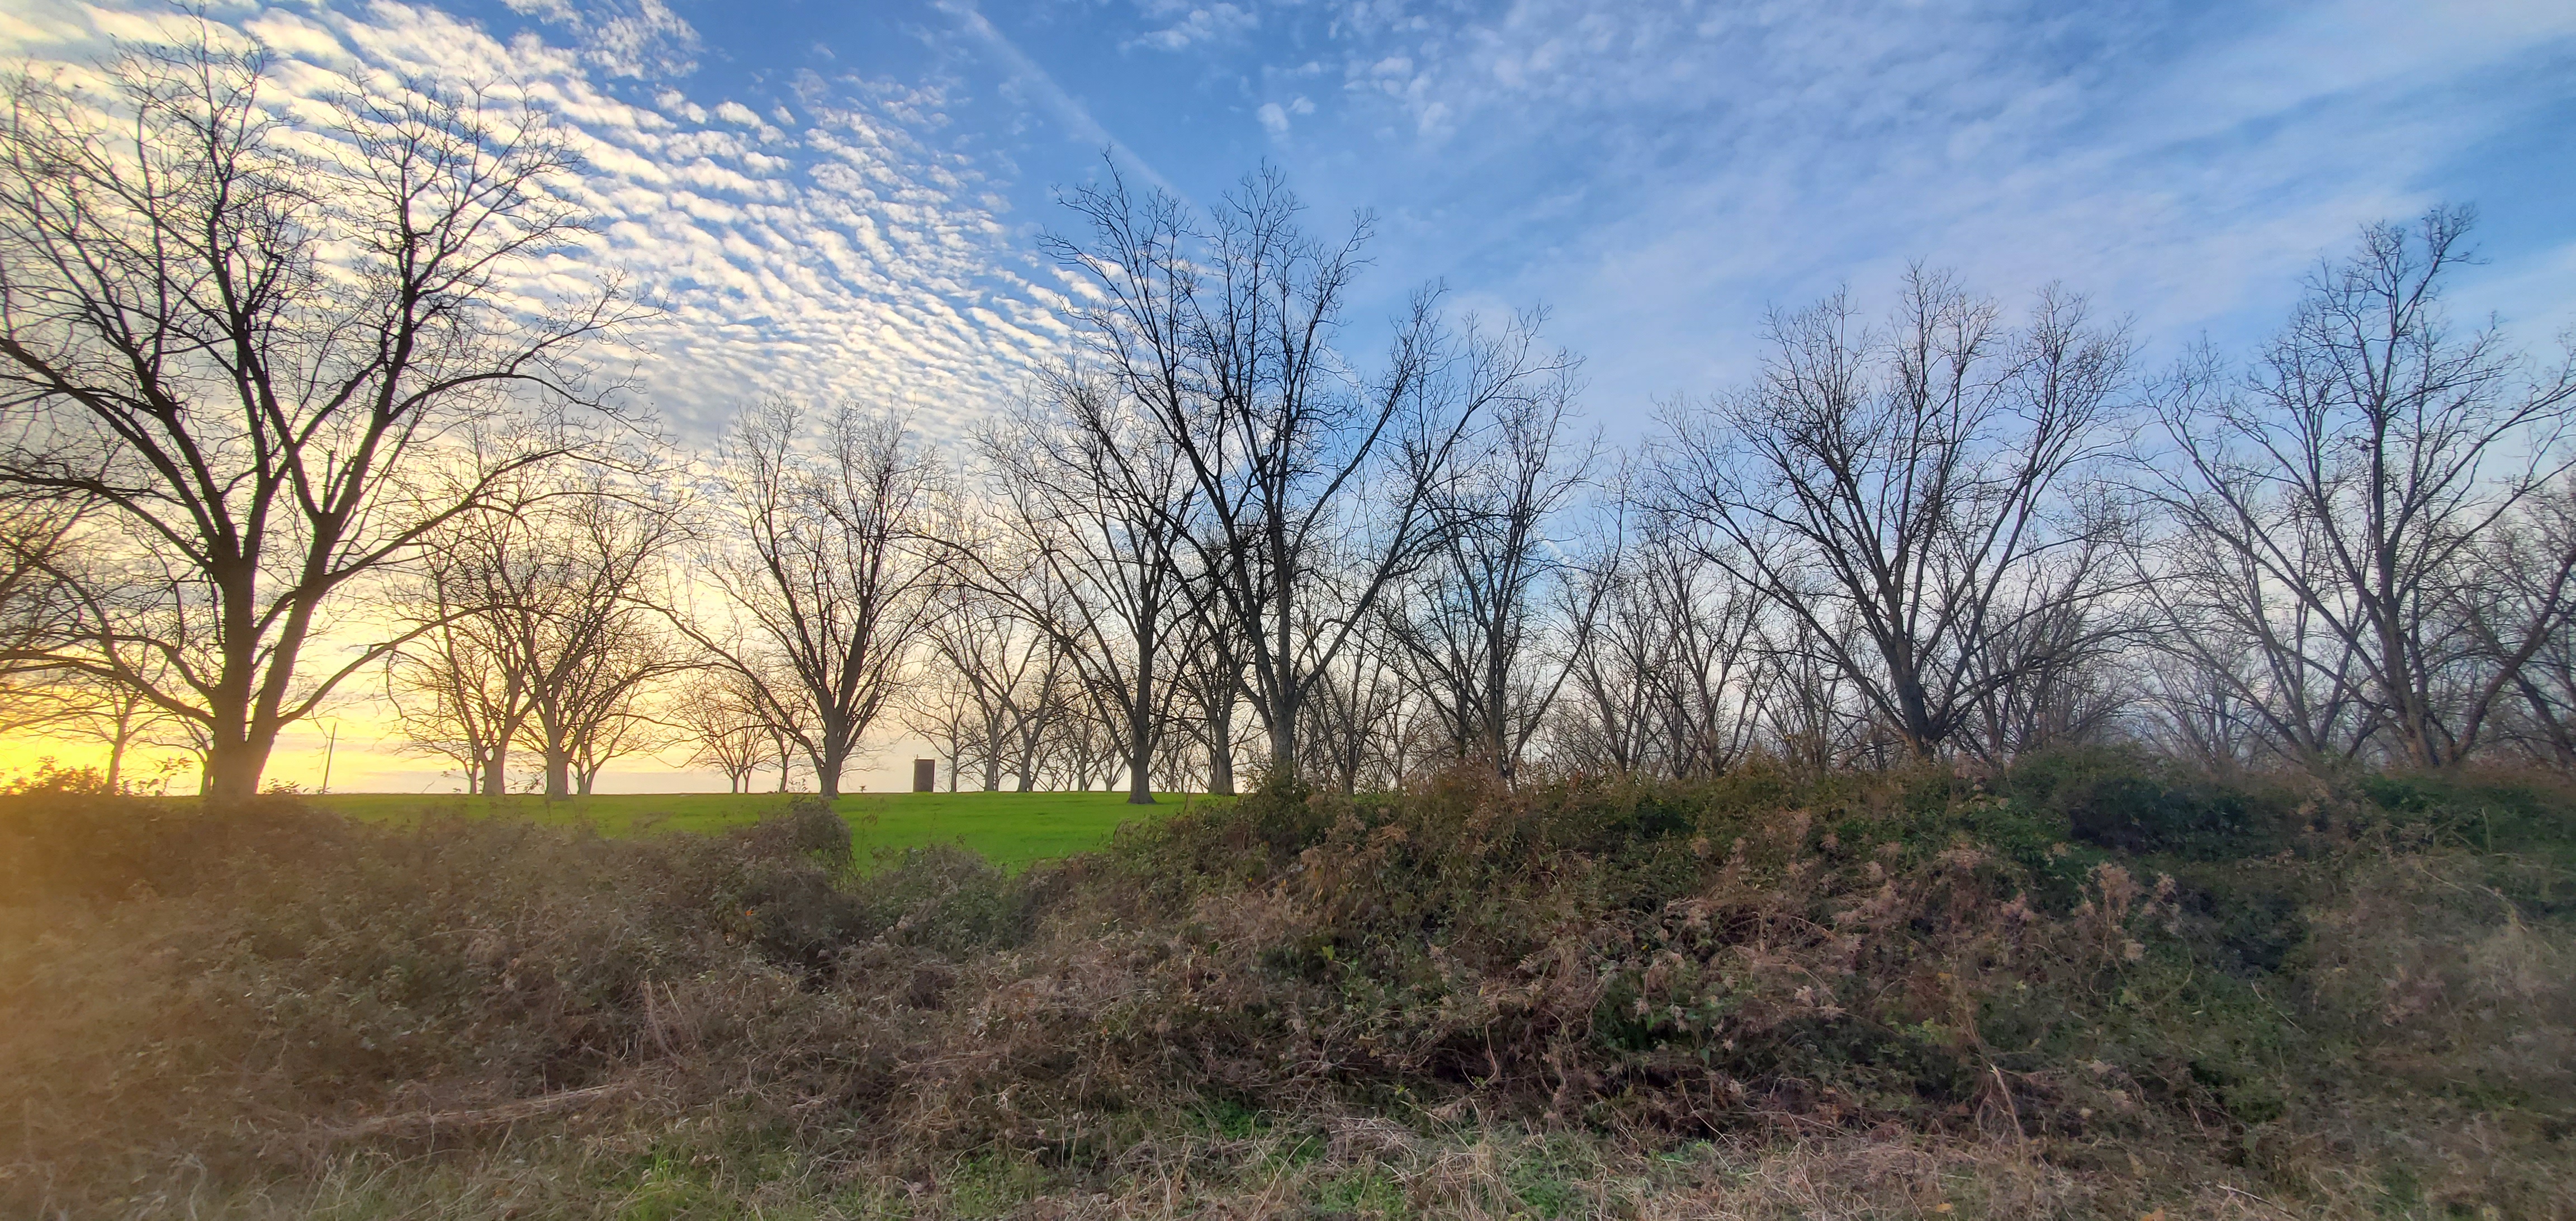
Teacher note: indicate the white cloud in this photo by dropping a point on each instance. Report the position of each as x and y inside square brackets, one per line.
[637, 38]
[854, 257]
[1670, 170]
[1274, 116]
[679, 105]
[1191, 24]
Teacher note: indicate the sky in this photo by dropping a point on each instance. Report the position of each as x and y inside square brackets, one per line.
[846, 200]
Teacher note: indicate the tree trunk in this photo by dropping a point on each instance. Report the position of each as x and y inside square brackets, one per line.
[2414, 716]
[236, 752]
[233, 769]
[1220, 740]
[558, 774]
[1140, 747]
[496, 776]
[827, 771]
[1140, 721]
[1283, 745]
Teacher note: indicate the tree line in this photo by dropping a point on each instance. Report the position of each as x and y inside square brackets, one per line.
[280, 424]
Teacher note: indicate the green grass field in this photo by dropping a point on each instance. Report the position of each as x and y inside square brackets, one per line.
[1011, 829]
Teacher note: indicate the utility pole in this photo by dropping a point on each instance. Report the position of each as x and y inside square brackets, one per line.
[329, 749]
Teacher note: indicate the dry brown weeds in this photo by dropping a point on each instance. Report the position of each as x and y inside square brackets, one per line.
[1470, 1003]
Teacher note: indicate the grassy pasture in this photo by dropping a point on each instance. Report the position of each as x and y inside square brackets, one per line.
[1009, 829]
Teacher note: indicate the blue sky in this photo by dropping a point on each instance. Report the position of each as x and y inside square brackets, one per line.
[1658, 175]
[844, 198]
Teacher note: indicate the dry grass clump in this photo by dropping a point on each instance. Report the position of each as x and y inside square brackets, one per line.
[1863, 997]
[272, 982]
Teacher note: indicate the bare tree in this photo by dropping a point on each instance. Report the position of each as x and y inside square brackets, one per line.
[37, 612]
[1086, 752]
[828, 580]
[1478, 626]
[456, 686]
[1004, 657]
[1712, 667]
[2073, 695]
[572, 615]
[1809, 710]
[1906, 496]
[271, 371]
[2198, 712]
[1222, 336]
[116, 717]
[1100, 499]
[624, 724]
[534, 628]
[1358, 707]
[2521, 622]
[1606, 723]
[942, 712]
[722, 720]
[1211, 681]
[1674, 669]
[2254, 669]
[2342, 486]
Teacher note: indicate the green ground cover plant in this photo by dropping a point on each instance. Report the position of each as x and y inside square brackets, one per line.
[2087, 987]
[1010, 829]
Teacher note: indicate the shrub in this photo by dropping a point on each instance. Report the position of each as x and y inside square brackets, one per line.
[253, 1004]
[2123, 801]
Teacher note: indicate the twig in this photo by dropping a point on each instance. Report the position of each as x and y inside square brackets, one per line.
[2014, 1108]
[2257, 1199]
[508, 1112]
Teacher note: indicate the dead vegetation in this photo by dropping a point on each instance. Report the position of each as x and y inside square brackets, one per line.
[1868, 996]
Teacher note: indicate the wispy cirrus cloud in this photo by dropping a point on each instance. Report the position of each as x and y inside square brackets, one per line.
[1659, 172]
[1662, 172]
[1040, 90]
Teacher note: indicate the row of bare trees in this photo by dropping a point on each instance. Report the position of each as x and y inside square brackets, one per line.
[1947, 535]
[536, 627]
[277, 411]
[1942, 532]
